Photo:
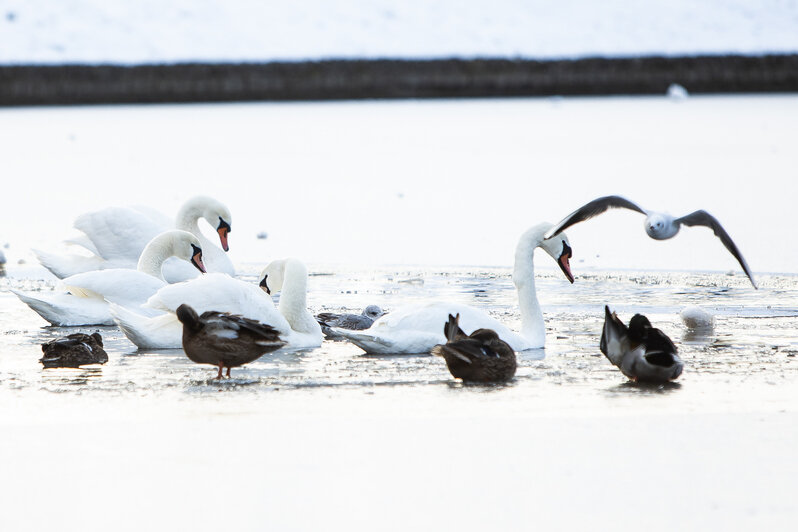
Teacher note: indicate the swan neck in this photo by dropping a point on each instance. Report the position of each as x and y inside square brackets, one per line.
[152, 258]
[293, 298]
[532, 326]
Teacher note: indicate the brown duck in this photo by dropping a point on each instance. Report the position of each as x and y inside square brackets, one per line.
[480, 357]
[75, 350]
[225, 340]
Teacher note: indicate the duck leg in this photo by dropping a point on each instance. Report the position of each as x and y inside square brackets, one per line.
[228, 372]
[221, 366]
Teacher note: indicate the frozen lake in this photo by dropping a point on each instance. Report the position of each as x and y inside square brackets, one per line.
[330, 438]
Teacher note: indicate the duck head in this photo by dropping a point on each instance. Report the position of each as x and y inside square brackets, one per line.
[638, 328]
[188, 317]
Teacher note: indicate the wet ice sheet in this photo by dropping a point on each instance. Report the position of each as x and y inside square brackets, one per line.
[331, 438]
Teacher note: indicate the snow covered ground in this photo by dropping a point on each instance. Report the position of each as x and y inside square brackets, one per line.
[120, 31]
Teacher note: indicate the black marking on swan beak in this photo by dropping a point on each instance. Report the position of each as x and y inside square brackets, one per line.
[564, 263]
[196, 258]
[265, 285]
[223, 229]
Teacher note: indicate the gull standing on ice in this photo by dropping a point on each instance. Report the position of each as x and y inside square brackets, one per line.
[659, 226]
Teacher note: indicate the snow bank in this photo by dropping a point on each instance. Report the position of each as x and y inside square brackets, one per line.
[120, 31]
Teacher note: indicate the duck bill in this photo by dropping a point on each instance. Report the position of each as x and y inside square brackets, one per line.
[565, 262]
[223, 230]
[196, 259]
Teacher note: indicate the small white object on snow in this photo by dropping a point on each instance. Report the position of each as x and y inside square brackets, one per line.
[697, 318]
[677, 92]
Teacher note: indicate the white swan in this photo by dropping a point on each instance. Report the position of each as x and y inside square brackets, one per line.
[116, 237]
[418, 328]
[222, 293]
[84, 300]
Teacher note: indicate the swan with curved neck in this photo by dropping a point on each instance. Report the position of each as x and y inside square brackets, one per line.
[218, 216]
[86, 295]
[418, 328]
[117, 236]
[222, 293]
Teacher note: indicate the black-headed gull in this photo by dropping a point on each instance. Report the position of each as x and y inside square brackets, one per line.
[659, 226]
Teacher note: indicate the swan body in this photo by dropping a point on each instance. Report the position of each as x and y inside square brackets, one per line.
[85, 296]
[222, 293]
[479, 357]
[417, 328]
[225, 340]
[658, 225]
[643, 353]
[115, 237]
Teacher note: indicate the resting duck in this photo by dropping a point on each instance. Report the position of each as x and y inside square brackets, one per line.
[643, 353]
[480, 357]
[354, 322]
[75, 350]
[225, 340]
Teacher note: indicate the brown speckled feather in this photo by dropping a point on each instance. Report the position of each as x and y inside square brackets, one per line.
[75, 350]
[480, 357]
[225, 340]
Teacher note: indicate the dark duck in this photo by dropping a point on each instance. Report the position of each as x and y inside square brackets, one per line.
[479, 357]
[643, 353]
[74, 350]
[225, 340]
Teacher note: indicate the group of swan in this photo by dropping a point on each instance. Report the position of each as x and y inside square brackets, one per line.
[116, 237]
[222, 293]
[85, 296]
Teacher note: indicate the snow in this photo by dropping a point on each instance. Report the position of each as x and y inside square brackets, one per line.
[120, 31]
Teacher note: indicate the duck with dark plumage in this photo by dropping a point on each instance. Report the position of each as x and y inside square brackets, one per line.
[479, 357]
[74, 350]
[643, 353]
[225, 340]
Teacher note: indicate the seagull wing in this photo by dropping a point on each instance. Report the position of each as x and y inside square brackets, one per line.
[594, 208]
[707, 220]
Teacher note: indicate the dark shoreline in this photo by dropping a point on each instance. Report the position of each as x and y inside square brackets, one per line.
[389, 78]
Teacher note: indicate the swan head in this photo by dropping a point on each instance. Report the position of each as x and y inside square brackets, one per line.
[215, 213]
[187, 247]
[273, 276]
[373, 312]
[558, 249]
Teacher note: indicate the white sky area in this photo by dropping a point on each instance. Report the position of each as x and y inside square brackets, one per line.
[446, 182]
[124, 31]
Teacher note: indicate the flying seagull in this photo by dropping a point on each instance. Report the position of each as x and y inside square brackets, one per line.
[659, 226]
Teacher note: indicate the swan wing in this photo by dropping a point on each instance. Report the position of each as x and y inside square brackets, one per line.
[148, 332]
[589, 210]
[122, 286]
[221, 293]
[119, 232]
[707, 220]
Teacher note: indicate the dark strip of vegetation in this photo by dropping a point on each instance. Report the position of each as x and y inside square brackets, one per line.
[389, 78]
